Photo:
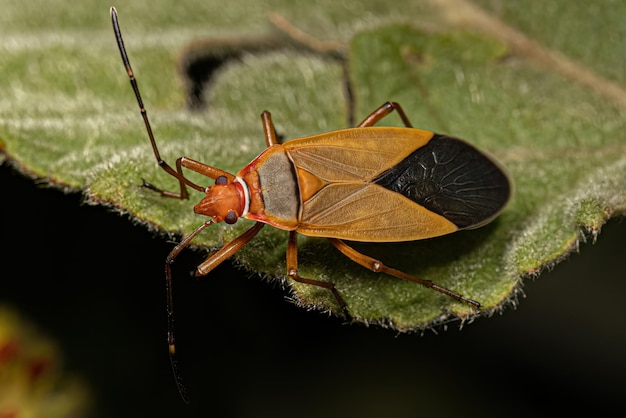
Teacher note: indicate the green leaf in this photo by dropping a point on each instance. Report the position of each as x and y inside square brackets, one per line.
[546, 100]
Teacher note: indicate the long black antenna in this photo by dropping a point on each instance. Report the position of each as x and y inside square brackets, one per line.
[183, 195]
[144, 114]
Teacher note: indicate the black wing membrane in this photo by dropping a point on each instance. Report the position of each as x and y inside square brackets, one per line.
[451, 178]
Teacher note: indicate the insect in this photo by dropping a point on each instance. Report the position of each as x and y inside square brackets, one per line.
[368, 183]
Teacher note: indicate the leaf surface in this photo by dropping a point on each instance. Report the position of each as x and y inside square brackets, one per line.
[546, 100]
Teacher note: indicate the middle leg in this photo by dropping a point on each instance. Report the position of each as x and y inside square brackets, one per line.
[292, 271]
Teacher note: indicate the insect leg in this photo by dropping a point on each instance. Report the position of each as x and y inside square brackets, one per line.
[205, 170]
[378, 114]
[268, 129]
[183, 192]
[228, 250]
[378, 267]
[195, 166]
[292, 271]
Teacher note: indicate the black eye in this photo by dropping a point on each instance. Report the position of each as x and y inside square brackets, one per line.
[221, 180]
[231, 217]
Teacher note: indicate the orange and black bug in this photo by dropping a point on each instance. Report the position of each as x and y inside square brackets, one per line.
[372, 184]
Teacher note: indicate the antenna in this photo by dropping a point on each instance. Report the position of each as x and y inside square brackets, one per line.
[183, 195]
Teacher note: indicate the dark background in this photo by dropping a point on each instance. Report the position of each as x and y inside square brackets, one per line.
[94, 282]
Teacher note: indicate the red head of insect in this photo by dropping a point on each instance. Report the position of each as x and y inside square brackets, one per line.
[225, 201]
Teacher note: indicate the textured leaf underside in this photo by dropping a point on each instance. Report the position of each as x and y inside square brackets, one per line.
[546, 100]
